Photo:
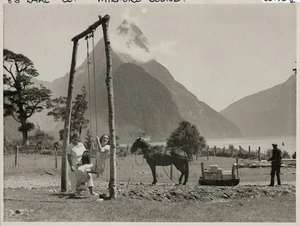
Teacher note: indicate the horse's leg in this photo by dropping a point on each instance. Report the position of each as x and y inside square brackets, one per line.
[181, 176]
[153, 169]
[186, 174]
[180, 168]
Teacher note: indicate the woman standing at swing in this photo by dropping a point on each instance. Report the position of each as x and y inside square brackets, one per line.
[102, 153]
[75, 151]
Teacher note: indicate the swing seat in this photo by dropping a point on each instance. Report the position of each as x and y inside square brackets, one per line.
[94, 171]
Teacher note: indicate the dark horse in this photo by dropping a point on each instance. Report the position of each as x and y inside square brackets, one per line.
[155, 157]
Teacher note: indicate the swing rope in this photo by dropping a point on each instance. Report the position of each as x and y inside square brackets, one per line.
[88, 67]
[94, 68]
[92, 147]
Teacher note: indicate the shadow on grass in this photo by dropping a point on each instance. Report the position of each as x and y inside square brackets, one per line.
[104, 197]
[70, 196]
[76, 196]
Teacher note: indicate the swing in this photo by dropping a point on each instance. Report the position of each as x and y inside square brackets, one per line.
[97, 167]
[64, 169]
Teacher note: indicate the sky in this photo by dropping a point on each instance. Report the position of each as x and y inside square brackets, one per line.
[221, 53]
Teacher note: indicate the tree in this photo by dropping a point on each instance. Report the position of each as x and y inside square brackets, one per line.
[88, 138]
[40, 139]
[21, 98]
[294, 155]
[80, 105]
[117, 141]
[284, 154]
[188, 138]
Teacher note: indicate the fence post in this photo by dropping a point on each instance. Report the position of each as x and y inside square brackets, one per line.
[171, 172]
[237, 167]
[259, 154]
[249, 148]
[16, 155]
[56, 146]
[215, 150]
[202, 169]
[55, 157]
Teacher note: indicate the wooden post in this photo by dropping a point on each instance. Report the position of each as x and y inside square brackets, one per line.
[64, 167]
[207, 150]
[232, 171]
[215, 150]
[55, 157]
[202, 169]
[249, 148]
[111, 108]
[16, 155]
[237, 167]
[259, 154]
[171, 172]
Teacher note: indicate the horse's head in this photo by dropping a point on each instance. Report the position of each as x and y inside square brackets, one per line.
[139, 143]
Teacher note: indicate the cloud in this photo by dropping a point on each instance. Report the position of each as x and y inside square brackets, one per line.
[165, 47]
[128, 16]
[128, 50]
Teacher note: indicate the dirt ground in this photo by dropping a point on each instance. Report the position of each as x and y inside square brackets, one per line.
[34, 195]
[168, 192]
[242, 203]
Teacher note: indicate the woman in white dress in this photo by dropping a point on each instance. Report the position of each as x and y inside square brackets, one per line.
[75, 151]
[102, 153]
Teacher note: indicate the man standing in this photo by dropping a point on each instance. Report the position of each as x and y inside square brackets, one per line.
[276, 164]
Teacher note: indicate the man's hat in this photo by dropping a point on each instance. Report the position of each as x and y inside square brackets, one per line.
[274, 145]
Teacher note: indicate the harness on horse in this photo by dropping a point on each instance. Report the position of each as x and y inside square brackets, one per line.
[162, 153]
[145, 149]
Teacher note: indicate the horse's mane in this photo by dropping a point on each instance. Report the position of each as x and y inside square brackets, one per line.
[159, 148]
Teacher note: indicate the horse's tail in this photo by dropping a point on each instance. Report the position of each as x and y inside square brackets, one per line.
[186, 171]
[187, 166]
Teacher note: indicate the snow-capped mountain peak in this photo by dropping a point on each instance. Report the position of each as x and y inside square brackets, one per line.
[130, 43]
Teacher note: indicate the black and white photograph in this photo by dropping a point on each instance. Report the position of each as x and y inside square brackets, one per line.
[149, 111]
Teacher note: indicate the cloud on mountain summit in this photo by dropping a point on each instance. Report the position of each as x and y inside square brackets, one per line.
[128, 16]
[123, 45]
[131, 44]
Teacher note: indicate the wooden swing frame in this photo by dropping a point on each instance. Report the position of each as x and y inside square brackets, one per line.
[64, 169]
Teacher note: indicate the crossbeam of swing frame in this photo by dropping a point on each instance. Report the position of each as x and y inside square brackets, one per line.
[75, 39]
[89, 30]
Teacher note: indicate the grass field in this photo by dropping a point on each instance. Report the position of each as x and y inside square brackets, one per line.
[32, 194]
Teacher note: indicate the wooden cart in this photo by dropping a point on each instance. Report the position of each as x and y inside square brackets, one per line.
[232, 180]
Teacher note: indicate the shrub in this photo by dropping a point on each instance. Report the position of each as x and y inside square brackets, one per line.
[187, 137]
[122, 151]
[285, 155]
[10, 146]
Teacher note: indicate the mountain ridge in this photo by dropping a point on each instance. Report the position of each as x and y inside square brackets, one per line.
[270, 112]
[137, 58]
